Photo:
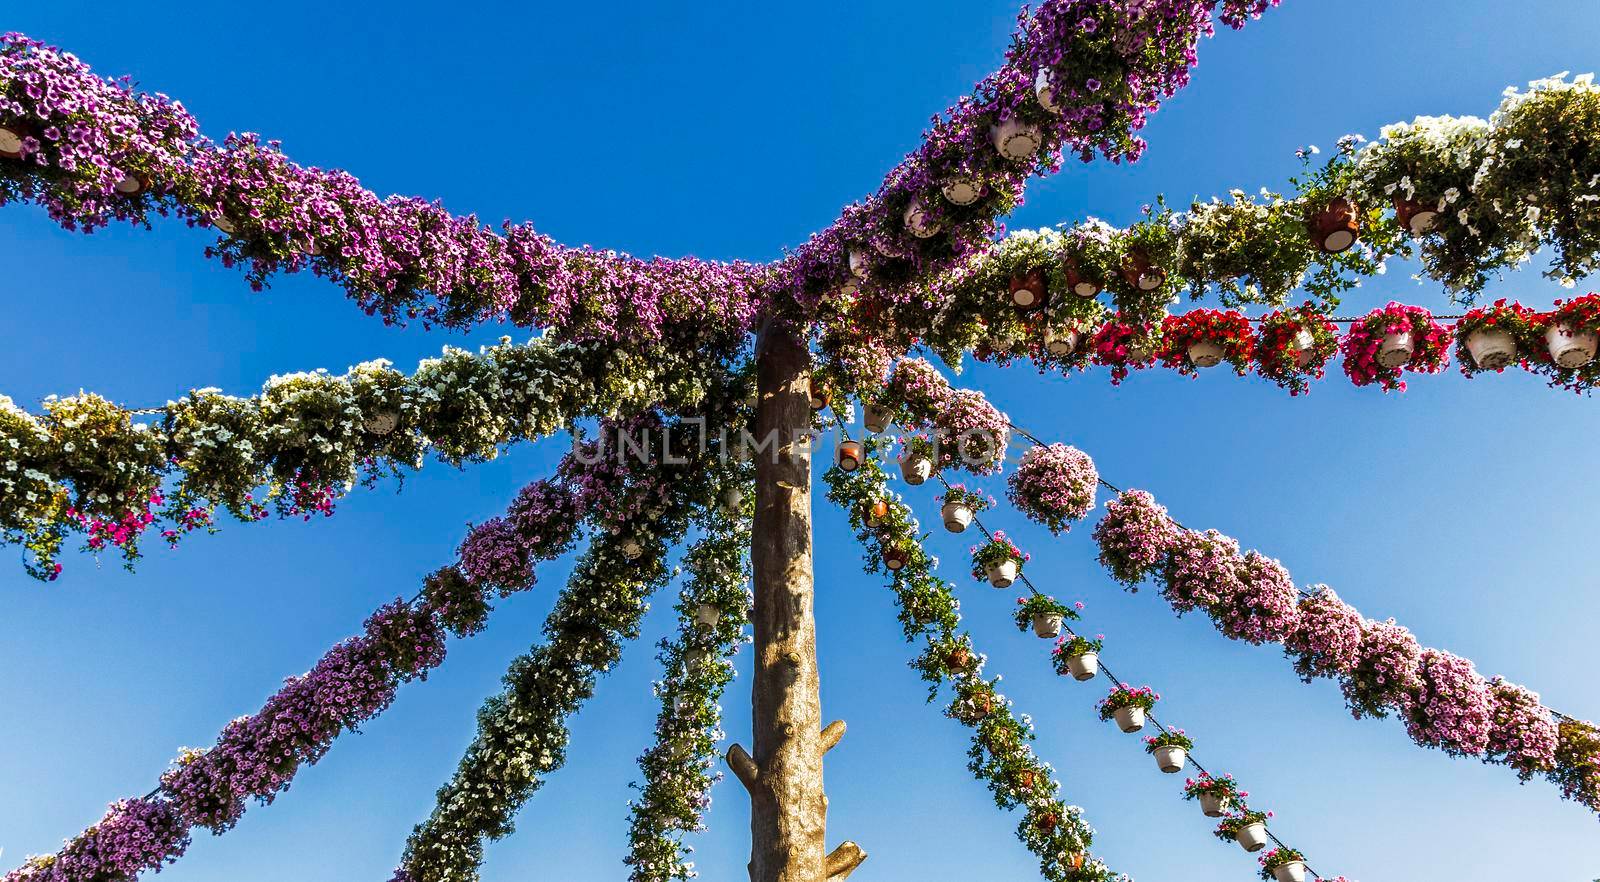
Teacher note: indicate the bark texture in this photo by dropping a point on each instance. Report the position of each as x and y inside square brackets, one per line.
[789, 813]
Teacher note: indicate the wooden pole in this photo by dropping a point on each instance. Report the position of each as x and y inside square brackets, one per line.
[788, 810]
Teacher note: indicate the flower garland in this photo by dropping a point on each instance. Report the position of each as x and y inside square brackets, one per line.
[1054, 485]
[713, 609]
[1000, 752]
[1381, 667]
[87, 467]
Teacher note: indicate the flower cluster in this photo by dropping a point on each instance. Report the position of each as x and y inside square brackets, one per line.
[1134, 537]
[996, 552]
[1125, 346]
[1293, 347]
[1120, 696]
[971, 433]
[1391, 339]
[1201, 338]
[1495, 337]
[1054, 485]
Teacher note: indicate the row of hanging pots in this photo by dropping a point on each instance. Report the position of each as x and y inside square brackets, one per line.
[1492, 348]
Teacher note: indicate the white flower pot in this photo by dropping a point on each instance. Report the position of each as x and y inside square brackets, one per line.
[1083, 667]
[1491, 348]
[1396, 349]
[1252, 838]
[695, 657]
[1303, 346]
[707, 615]
[1002, 574]
[1170, 758]
[1149, 281]
[1213, 806]
[1293, 871]
[10, 142]
[961, 191]
[916, 469]
[222, 223]
[918, 222]
[1139, 352]
[851, 453]
[858, 263]
[1016, 140]
[382, 423]
[876, 419]
[1205, 354]
[957, 516]
[1061, 345]
[631, 549]
[1044, 88]
[1129, 719]
[1568, 349]
[129, 185]
[1047, 626]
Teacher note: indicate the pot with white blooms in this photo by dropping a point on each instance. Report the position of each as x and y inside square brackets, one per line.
[1044, 614]
[1078, 657]
[997, 560]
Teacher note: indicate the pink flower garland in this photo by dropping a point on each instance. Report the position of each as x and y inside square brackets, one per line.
[1134, 537]
[1326, 641]
[1054, 485]
[1452, 710]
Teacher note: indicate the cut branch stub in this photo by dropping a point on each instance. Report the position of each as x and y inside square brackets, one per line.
[842, 861]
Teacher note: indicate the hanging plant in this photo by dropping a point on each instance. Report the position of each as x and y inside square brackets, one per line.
[1128, 706]
[1493, 338]
[1216, 795]
[1147, 262]
[1170, 749]
[1566, 343]
[1078, 657]
[1254, 252]
[958, 505]
[1293, 347]
[1054, 485]
[1336, 224]
[997, 560]
[1044, 614]
[972, 433]
[1246, 827]
[1392, 339]
[1135, 537]
[1204, 338]
[1125, 346]
[1283, 864]
[917, 459]
[1089, 257]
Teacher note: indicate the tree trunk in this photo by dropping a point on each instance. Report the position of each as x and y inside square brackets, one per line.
[788, 814]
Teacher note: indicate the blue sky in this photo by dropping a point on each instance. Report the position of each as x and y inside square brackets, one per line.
[729, 130]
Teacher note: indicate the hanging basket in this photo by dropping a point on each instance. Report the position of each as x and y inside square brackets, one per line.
[1293, 871]
[132, 184]
[919, 221]
[850, 455]
[225, 224]
[819, 394]
[1129, 719]
[1016, 140]
[1252, 837]
[1002, 574]
[12, 134]
[1028, 291]
[1420, 218]
[1080, 284]
[1336, 229]
[1567, 349]
[1396, 349]
[916, 469]
[895, 558]
[1139, 272]
[1044, 88]
[707, 615]
[732, 500]
[1492, 349]
[1170, 758]
[957, 516]
[1304, 347]
[1205, 354]
[1047, 626]
[1213, 805]
[873, 514]
[958, 659]
[962, 190]
[1083, 667]
[631, 549]
[876, 418]
[1063, 344]
[381, 423]
[858, 263]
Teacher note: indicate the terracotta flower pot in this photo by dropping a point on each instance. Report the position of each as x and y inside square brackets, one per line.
[1491, 349]
[1293, 871]
[874, 513]
[819, 394]
[919, 221]
[1044, 88]
[1567, 349]
[959, 659]
[1303, 345]
[12, 134]
[1078, 283]
[1170, 758]
[1025, 780]
[1396, 349]
[1047, 823]
[850, 454]
[1028, 291]
[1419, 217]
[981, 707]
[1129, 719]
[1336, 227]
[1139, 272]
[381, 423]
[1252, 838]
[1083, 667]
[1205, 354]
[1002, 574]
[1214, 805]
[1063, 344]
[895, 558]
[916, 469]
[961, 190]
[707, 615]
[1047, 626]
[1016, 140]
[876, 418]
[957, 516]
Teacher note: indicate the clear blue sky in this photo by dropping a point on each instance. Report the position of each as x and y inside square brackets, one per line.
[1464, 509]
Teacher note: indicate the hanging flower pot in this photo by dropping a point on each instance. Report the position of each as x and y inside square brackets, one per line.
[1002, 573]
[1205, 354]
[961, 190]
[225, 224]
[1083, 667]
[1293, 871]
[1047, 626]
[1170, 758]
[631, 549]
[915, 469]
[957, 516]
[732, 500]
[1047, 823]
[1419, 217]
[1078, 283]
[1567, 349]
[876, 418]
[1016, 140]
[1063, 344]
[1044, 88]
[919, 221]
[1304, 347]
[1491, 348]
[1252, 837]
[858, 263]
[895, 557]
[695, 656]
[132, 184]
[1129, 719]
[850, 455]
[874, 513]
[707, 615]
[12, 134]
[1335, 228]
[1025, 780]
[381, 423]
[958, 659]
[1214, 805]
[1028, 290]
[1139, 272]
[819, 394]
[1396, 349]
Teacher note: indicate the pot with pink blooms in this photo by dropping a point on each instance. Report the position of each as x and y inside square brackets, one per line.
[958, 505]
[1128, 705]
[1283, 864]
[1493, 338]
[1246, 827]
[1170, 749]
[1044, 614]
[1215, 795]
[998, 560]
[1569, 337]
[1078, 657]
[1392, 339]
